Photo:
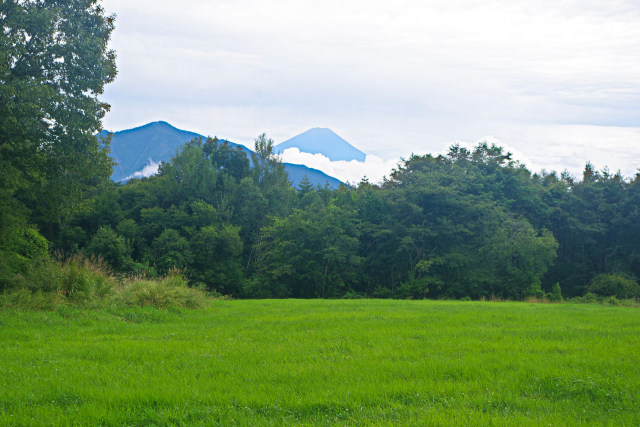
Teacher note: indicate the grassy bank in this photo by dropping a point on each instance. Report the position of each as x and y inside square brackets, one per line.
[322, 362]
[81, 282]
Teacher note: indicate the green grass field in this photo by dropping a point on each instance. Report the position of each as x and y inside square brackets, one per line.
[321, 362]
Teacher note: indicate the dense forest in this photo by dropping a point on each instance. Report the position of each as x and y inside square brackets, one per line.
[469, 224]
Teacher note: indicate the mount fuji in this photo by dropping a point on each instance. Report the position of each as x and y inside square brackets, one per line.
[323, 141]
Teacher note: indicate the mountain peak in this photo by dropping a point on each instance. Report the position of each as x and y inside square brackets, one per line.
[161, 124]
[323, 141]
[135, 149]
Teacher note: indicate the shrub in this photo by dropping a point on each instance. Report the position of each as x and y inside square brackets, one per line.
[48, 283]
[30, 244]
[20, 248]
[614, 285]
[113, 248]
[534, 291]
[257, 288]
[351, 294]
[556, 293]
[381, 292]
[172, 291]
[413, 289]
[611, 301]
[590, 298]
[87, 282]
[170, 250]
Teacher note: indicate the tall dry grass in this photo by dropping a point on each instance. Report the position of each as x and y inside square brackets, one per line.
[88, 282]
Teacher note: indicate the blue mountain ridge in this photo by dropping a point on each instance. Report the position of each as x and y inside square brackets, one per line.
[323, 141]
[133, 149]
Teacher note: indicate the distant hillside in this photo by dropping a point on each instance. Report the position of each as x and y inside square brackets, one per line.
[133, 149]
[323, 141]
[316, 177]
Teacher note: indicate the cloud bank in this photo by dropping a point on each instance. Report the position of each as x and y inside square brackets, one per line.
[568, 149]
[373, 168]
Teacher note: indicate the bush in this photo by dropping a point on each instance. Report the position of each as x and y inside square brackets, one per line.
[112, 247]
[351, 294]
[87, 282]
[556, 293]
[381, 292]
[534, 291]
[30, 244]
[413, 289]
[49, 283]
[20, 248]
[614, 285]
[590, 298]
[172, 291]
[259, 289]
[611, 301]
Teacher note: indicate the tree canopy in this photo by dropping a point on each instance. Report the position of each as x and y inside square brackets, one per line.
[54, 63]
[472, 223]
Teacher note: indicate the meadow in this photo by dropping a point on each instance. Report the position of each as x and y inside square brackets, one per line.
[322, 362]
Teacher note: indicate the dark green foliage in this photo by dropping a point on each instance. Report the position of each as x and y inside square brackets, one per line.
[47, 283]
[224, 156]
[26, 243]
[169, 251]
[614, 285]
[217, 253]
[22, 246]
[311, 253]
[469, 224]
[88, 282]
[201, 214]
[594, 222]
[54, 62]
[443, 226]
[112, 247]
[556, 292]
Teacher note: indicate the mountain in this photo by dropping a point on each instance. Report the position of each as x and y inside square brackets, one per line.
[323, 141]
[134, 149]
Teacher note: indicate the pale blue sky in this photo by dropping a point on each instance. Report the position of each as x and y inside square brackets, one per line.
[554, 81]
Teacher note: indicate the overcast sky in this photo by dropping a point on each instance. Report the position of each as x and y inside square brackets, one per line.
[556, 82]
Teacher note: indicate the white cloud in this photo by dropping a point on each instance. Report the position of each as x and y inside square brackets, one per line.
[570, 147]
[150, 169]
[373, 168]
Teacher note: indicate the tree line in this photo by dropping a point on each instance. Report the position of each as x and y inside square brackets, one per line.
[468, 224]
